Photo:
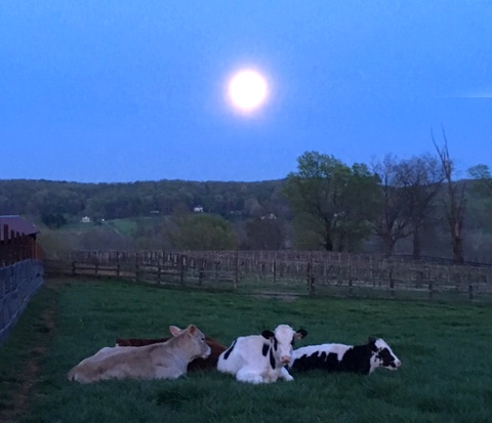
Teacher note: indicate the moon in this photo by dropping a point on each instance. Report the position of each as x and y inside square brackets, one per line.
[247, 90]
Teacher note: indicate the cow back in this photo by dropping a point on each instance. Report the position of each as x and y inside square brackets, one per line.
[198, 364]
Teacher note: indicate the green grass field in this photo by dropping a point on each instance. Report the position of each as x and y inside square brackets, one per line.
[446, 374]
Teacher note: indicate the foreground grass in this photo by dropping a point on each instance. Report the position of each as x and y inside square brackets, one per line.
[446, 374]
[21, 354]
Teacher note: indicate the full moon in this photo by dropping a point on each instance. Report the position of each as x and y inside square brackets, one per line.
[247, 90]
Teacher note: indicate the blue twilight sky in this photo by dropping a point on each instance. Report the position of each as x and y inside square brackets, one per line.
[119, 91]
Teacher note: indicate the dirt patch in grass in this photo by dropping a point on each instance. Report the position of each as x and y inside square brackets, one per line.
[279, 296]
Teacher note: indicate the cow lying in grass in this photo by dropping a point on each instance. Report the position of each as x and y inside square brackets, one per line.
[261, 358]
[209, 363]
[165, 360]
[362, 359]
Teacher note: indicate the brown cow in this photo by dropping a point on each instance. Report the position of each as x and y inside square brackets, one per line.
[163, 360]
[199, 363]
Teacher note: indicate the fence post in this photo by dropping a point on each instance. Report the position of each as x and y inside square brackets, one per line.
[431, 291]
[117, 263]
[392, 283]
[236, 269]
[470, 292]
[201, 273]
[137, 267]
[182, 269]
[311, 281]
[274, 271]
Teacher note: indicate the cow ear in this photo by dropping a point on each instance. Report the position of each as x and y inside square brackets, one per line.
[301, 333]
[268, 334]
[372, 340]
[191, 329]
[175, 331]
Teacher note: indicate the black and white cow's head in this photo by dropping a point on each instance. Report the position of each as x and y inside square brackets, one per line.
[382, 355]
[282, 340]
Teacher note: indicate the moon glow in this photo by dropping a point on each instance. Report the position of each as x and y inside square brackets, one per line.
[247, 90]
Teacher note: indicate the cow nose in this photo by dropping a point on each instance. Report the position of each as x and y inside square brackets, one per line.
[398, 363]
[285, 359]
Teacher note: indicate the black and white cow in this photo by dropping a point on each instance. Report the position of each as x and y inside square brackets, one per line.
[362, 359]
[261, 358]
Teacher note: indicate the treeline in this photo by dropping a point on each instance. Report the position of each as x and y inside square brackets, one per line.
[59, 202]
[163, 214]
[413, 206]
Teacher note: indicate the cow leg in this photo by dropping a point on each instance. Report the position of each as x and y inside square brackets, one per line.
[247, 374]
[284, 374]
[162, 372]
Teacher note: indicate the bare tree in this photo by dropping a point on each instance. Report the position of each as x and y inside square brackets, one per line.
[393, 222]
[408, 189]
[420, 179]
[454, 201]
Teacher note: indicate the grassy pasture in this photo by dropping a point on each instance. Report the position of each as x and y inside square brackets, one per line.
[446, 374]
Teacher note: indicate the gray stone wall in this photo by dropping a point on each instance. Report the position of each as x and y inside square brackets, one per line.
[18, 283]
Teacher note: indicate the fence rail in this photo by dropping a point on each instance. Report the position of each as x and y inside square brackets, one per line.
[295, 272]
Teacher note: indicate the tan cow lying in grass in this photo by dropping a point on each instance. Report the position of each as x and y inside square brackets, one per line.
[164, 360]
[199, 363]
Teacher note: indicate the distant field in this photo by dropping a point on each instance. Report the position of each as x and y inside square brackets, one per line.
[123, 226]
[446, 374]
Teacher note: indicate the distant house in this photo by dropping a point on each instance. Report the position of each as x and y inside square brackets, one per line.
[86, 219]
[269, 216]
[198, 209]
[17, 240]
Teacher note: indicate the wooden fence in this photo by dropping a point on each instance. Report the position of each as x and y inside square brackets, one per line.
[285, 272]
[15, 247]
[21, 275]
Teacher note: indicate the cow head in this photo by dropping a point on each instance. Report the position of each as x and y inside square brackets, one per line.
[382, 355]
[197, 337]
[282, 339]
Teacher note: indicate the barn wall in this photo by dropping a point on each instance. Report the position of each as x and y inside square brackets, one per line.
[18, 283]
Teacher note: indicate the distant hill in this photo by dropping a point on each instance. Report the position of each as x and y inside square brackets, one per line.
[75, 200]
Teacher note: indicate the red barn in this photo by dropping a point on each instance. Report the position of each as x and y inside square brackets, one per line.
[17, 240]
